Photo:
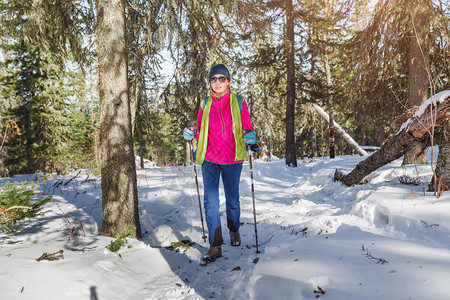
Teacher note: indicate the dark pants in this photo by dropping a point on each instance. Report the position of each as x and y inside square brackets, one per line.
[231, 175]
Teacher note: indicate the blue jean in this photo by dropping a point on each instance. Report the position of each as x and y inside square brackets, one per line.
[231, 175]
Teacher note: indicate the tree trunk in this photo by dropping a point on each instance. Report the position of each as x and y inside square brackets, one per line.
[119, 186]
[415, 155]
[381, 135]
[329, 6]
[393, 149]
[442, 180]
[135, 97]
[3, 171]
[415, 133]
[331, 139]
[48, 170]
[97, 150]
[291, 156]
[313, 143]
[418, 76]
[138, 132]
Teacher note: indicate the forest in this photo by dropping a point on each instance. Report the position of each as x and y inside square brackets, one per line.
[90, 84]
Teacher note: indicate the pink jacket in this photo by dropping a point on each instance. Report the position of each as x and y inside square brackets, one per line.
[221, 144]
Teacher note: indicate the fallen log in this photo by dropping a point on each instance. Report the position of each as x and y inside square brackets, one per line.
[341, 131]
[432, 113]
[415, 132]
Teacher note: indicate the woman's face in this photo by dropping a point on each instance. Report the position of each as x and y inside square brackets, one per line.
[217, 85]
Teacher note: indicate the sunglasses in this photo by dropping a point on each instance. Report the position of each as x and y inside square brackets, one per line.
[222, 79]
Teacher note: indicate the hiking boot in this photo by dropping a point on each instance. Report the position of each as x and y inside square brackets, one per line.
[235, 238]
[213, 253]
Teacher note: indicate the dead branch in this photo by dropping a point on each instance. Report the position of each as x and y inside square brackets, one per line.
[83, 249]
[350, 141]
[73, 227]
[72, 178]
[51, 256]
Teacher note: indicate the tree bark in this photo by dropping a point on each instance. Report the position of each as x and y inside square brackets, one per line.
[119, 186]
[48, 168]
[313, 143]
[138, 132]
[415, 133]
[418, 76]
[390, 151]
[331, 139]
[3, 171]
[291, 156]
[442, 180]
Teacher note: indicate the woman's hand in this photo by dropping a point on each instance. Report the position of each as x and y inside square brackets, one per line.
[189, 132]
[249, 137]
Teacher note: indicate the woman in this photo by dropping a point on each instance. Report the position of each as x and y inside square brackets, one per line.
[222, 120]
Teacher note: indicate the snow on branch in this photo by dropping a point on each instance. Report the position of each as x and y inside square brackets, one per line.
[433, 112]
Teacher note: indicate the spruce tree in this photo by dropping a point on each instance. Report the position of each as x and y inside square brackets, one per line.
[119, 183]
[52, 130]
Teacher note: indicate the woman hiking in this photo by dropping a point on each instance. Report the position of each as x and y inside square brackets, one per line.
[223, 130]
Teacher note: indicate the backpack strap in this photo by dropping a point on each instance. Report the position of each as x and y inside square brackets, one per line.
[204, 101]
[239, 100]
[238, 97]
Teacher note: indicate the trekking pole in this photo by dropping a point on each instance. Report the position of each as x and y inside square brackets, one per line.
[253, 192]
[198, 192]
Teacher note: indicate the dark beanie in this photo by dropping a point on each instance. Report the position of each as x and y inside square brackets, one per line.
[219, 69]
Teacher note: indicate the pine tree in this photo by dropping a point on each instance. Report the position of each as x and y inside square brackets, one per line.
[35, 84]
[382, 61]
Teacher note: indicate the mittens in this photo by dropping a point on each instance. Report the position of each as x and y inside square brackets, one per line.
[250, 138]
[189, 132]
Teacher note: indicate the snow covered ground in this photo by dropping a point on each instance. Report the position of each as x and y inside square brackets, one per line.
[317, 238]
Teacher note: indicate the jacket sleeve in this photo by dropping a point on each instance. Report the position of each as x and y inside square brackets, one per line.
[245, 117]
[199, 122]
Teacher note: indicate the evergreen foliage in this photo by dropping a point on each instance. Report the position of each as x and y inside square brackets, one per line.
[16, 204]
[115, 245]
[380, 66]
[348, 59]
[55, 133]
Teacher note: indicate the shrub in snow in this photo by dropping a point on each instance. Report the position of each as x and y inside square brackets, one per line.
[16, 205]
[122, 239]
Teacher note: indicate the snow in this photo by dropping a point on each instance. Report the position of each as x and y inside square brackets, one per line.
[438, 98]
[380, 240]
